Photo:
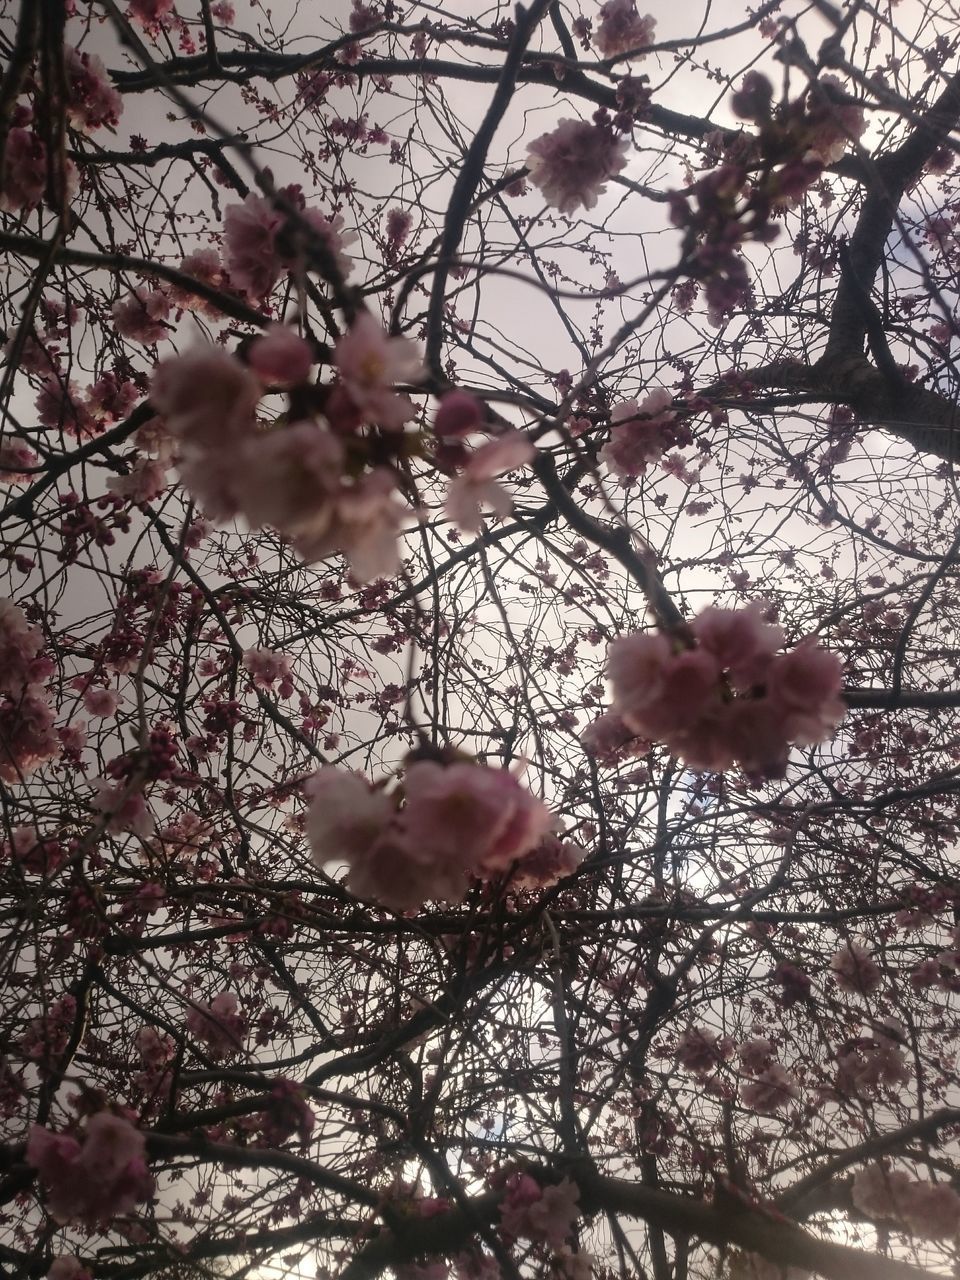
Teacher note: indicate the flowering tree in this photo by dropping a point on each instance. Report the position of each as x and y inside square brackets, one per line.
[479, 724]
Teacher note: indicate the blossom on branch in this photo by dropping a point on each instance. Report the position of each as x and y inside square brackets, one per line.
[622, 30]
[573, 164]
[94, 1180]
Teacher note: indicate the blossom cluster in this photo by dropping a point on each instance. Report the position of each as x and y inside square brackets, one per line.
[545, 1215]
[314, 479]
[27, 734]
[622, 30]
[641, 433]
[930, 1209]
[96, 1180]
[459, 416]
[573, 163]
[260, 242]
[445, 824]
[727, 696]
[735, 202]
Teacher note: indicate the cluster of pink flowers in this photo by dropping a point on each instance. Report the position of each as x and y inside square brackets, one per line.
[572, 164]
[287, 1113]
[152, 15]
[298, 478]
[474, 486]
[142, 316]
[855, 969]
[24, 171]
[771, 1089]
[27, 734]
[256, 254]
[610, 741]
[269, 669]
[217, 1025]
[832, 122]
[532, 1212]
[729, 696]
[641, 434]
[930, 1209]
[700, 1050]
[456, 821]
[96, 1180]
[92, 101]
[622, 30]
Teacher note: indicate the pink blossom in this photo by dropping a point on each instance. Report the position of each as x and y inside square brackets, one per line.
[640, 433]
[346, 816]
[60, 405]
[97, 1181]
[880, 1192]
[657, 691]
[20, 645]
[772, 1089]
[145, 481]
[609, 740]
[111, 398]
[931, 1209]
[365, 523]
[124, 809]
[250, 251]
[458, 414]
[700, 1050]
[476, 487]
[552, 860]
[267, 668]
[204, 266]
[103, 703]
[740, 641]
[288, 477]
[621, 29]
[206, 397]
[522, 1191]
[25, 172]
[151, 14]
[68, 1267]
[804, 685]
[141, 316]
[399, 222]
[370, 362]
[551, 1218]
[496, 820]
[92, 101]
[218, 1025]
[833, 121]
[870, 1064]
[332, 236]
[855, 969]
[224, 12]
[286, 1113]
[40, 856]
[572, 165]
[755, 1054]
[281, 358]
[27, 735]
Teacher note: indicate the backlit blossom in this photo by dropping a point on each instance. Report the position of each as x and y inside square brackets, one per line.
[640, 433]
[773, 1089]
[834, 121]
[700, 1050]
[250, 245]
[269, 668]
[151, 14]
[281, 358]
[370, 363]
[24, 172]
[476, 487]
[572, 164]
[218, 1025]
[621, 29]
[855, 969]
[457, 821]
[142, 316]
[16, 462]
[206, 397]
[93, 1181]
[92, 101]
[731, 697]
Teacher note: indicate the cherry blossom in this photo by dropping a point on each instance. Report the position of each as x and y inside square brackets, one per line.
[773, 1088]
[68, 1267]
[281, 357]
[855, 969]
[572, 164]
[622, 30]
[218, 1026]
[92, 101]
[370, 362]
[700, 1049]
[267, 668]
[96, 1180]
[151, 14]
[640, 434]
[24, 173]
[142, 316]
[476, 486]
[206, 397]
